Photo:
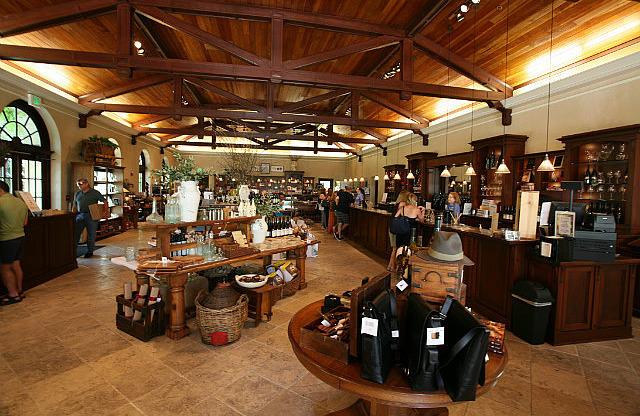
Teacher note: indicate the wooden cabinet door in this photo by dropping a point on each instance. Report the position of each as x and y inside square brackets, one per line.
[611, 297]
[491, 284]
[575, 298]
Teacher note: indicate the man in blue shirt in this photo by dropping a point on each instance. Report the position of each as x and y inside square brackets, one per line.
[84, 197]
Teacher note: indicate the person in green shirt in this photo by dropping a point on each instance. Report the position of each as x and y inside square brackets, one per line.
[13, 218]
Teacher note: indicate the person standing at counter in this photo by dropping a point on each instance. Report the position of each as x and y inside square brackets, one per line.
[411, 210]
[344, 201]
[453, 206]
[84, 197]
[359, 197]
[13, 218]
[323, 207]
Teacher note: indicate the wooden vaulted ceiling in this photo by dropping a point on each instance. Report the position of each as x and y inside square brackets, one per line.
[301, 75]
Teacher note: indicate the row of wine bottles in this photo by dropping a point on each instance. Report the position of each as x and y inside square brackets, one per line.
[608, 207]
[279, 226]
[594, 177]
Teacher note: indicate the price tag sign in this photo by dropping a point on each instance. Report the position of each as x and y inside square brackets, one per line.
[369, 326]
[325, 323]
[402, 285]
[435, 336]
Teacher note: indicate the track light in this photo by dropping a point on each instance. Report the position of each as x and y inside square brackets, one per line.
[137, 44]
[464, 8]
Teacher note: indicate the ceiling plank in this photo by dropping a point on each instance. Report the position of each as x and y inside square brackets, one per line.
[461, 65]
[58, 14]
[149, 120]
[263, 147]
[174, 23]
[240, 115]
[226, 94]
[241, 72]
[125, 88]
[393, 107]
[366, 46]
[306, 19]
[318, 98]
[373, 133]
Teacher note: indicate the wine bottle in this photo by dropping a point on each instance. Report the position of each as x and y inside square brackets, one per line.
[492, 160]
[587, 176]
[594, 176]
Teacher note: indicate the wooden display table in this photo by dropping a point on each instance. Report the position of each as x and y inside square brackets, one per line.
[394, 397]
[176, 280]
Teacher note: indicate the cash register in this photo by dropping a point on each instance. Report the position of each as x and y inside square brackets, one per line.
[594, 238]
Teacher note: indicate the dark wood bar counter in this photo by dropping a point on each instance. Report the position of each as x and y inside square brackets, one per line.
[50, 249]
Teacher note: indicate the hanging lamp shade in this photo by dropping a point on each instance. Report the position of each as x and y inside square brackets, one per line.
[361, 178]
[386, 177]
[445, 173]
[546, 165]
[396, 177]
[503, 169]
[470, 171]
[345, 180]
[376, 178]
[410, 175]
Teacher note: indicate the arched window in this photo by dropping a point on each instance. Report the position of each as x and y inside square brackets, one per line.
[27, 168]
[142, 170]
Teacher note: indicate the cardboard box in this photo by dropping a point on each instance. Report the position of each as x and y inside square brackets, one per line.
[96, 211]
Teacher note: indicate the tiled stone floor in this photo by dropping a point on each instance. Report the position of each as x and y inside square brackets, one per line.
[61, 354]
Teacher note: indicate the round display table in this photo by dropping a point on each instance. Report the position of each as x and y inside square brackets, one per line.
[394, 397]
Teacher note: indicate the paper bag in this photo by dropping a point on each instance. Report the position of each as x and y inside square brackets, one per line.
[96, 211]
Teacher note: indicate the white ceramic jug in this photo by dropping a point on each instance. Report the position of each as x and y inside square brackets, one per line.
[189, 197]
[259, 229]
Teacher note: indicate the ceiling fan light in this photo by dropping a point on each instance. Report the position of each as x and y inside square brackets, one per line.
[546, 165]
[445, 173]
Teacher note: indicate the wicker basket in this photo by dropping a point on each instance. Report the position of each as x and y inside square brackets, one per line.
[291, 287]
[229, 320]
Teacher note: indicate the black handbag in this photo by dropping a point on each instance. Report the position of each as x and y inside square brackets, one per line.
[377, 352]
[462, 360]
[400, 224]
[420, 361]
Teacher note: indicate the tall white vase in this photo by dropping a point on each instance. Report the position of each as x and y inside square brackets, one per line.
[189, 198]
[259, 229]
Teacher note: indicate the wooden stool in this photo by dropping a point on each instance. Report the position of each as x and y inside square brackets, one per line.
[260, 300]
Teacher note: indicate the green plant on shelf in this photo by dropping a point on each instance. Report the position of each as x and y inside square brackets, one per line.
[103, 141]
[185, 170]
[265, 205]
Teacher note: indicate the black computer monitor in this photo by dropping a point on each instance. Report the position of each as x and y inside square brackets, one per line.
[579, 208]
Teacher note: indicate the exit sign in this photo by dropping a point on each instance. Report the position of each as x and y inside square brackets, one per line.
[34, 100]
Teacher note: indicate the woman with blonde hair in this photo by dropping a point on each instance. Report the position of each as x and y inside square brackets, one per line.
[406, 204]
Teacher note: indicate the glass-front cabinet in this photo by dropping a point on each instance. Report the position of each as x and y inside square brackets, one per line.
[392, 187]
[606, 162]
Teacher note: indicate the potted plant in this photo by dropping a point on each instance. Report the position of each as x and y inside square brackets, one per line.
[188, 175]
[264, 207]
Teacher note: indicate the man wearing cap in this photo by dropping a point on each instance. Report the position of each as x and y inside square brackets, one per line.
[84, 197]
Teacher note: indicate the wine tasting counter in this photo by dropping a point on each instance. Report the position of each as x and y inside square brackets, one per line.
[498, 262]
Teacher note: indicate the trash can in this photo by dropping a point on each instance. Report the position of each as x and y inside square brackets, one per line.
[531, 309]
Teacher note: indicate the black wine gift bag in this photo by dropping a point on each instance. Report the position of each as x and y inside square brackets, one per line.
[419, 360]
[462, 360]
[377, 353]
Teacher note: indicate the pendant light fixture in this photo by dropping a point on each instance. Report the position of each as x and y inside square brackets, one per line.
[445, 173]
[503, 169]
[410, 174]
[397, 177]
[546, 165]
[377, 178]
[470, 171]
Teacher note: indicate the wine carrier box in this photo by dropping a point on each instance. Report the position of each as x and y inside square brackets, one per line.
[145, 328]
[323, 344]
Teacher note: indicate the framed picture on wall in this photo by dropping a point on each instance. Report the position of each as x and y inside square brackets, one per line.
[557, 162]
[276, 168]
[264, 168]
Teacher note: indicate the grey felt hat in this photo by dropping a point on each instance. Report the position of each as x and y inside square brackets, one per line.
[446, 247]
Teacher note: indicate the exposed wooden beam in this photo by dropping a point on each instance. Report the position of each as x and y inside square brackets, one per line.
[262, 146]
[58, 14]
[174, 23]
[132, 86]
[368, 45]
[195, 131]
[461, 65]
[226, 94]
[125, 32]
[82, 118]
[373, 133]
[307, 19]
[244, 115]
[393, 107]
[242, 72]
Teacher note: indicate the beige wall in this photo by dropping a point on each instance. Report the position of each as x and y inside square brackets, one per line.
[603, 97]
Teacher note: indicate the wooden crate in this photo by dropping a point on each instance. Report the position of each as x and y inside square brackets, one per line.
[323, 344]
[145, 328]
[434, 281]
